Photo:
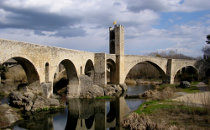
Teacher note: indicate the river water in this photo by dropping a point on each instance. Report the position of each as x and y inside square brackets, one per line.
[85, 114]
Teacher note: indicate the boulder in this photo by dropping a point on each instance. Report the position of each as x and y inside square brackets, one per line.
[29, 102]
[8, 116]
[16, 99]
[39, 103]
[20, 100]
[86, 88]
[92, 92]
[53, 102]
[42, 103]
[35, 87]
[96, 91]
[184, 84]
[114, 90]
[109, 90]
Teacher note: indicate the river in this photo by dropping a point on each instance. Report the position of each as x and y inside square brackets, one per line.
[82, 114]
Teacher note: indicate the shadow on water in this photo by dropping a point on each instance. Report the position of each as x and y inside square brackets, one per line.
[82, 114]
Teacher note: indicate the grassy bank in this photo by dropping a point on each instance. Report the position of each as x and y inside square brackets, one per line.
[104, 97]
[192, 89]
[166, 110]
[175, 113]
[184, 114]
[155, 106]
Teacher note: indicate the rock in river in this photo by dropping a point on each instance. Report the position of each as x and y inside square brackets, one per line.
[8, 116]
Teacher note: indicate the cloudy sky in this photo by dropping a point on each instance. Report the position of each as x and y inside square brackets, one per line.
[150, 25]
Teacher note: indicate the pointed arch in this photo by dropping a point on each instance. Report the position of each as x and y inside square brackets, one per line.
[72, 76]
[160, 70]
[29, 68]
[89, 69]
[111, 71]
[186, 73]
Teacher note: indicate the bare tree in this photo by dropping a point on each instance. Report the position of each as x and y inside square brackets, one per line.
[171, 54]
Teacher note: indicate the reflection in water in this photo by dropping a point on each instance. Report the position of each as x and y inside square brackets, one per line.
[92, 114]
[89, 122]
[4, 100]
[83, 114]
[134, 103]
[60, 119]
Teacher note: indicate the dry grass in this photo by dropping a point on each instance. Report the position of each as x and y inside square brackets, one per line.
[131, 82]
[183, 117]
[175, 113]
[148, 81]
[16, 74]
[163, 94]
[201, 98]
[142, 122]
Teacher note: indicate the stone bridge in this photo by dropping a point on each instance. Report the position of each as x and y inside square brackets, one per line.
[41, 63]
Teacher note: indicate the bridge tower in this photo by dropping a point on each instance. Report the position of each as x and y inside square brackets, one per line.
[116, 40]
[116, 46]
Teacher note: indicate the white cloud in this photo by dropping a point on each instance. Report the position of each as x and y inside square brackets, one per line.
[84, 24]
[168, 5]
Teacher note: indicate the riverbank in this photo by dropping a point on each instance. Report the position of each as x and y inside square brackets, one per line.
[134, 82]
[180, 111]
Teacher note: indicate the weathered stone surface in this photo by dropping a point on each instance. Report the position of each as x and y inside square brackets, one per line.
[113, 90]
[38, 56]
[19, 100]
[29, 102]
[87, 89]
[42, 103]
[184, 84]
[53, 102]
[96, 91]
[109, 90]
[8, 116]
[39, 103]
[47, 88]
[29, 57]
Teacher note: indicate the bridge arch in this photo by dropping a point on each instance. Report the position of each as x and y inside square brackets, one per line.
[29, 68]
[89, 122]
[89, 68]
[111, 71]
[160, 69]
[190, 69]
[71, 73]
